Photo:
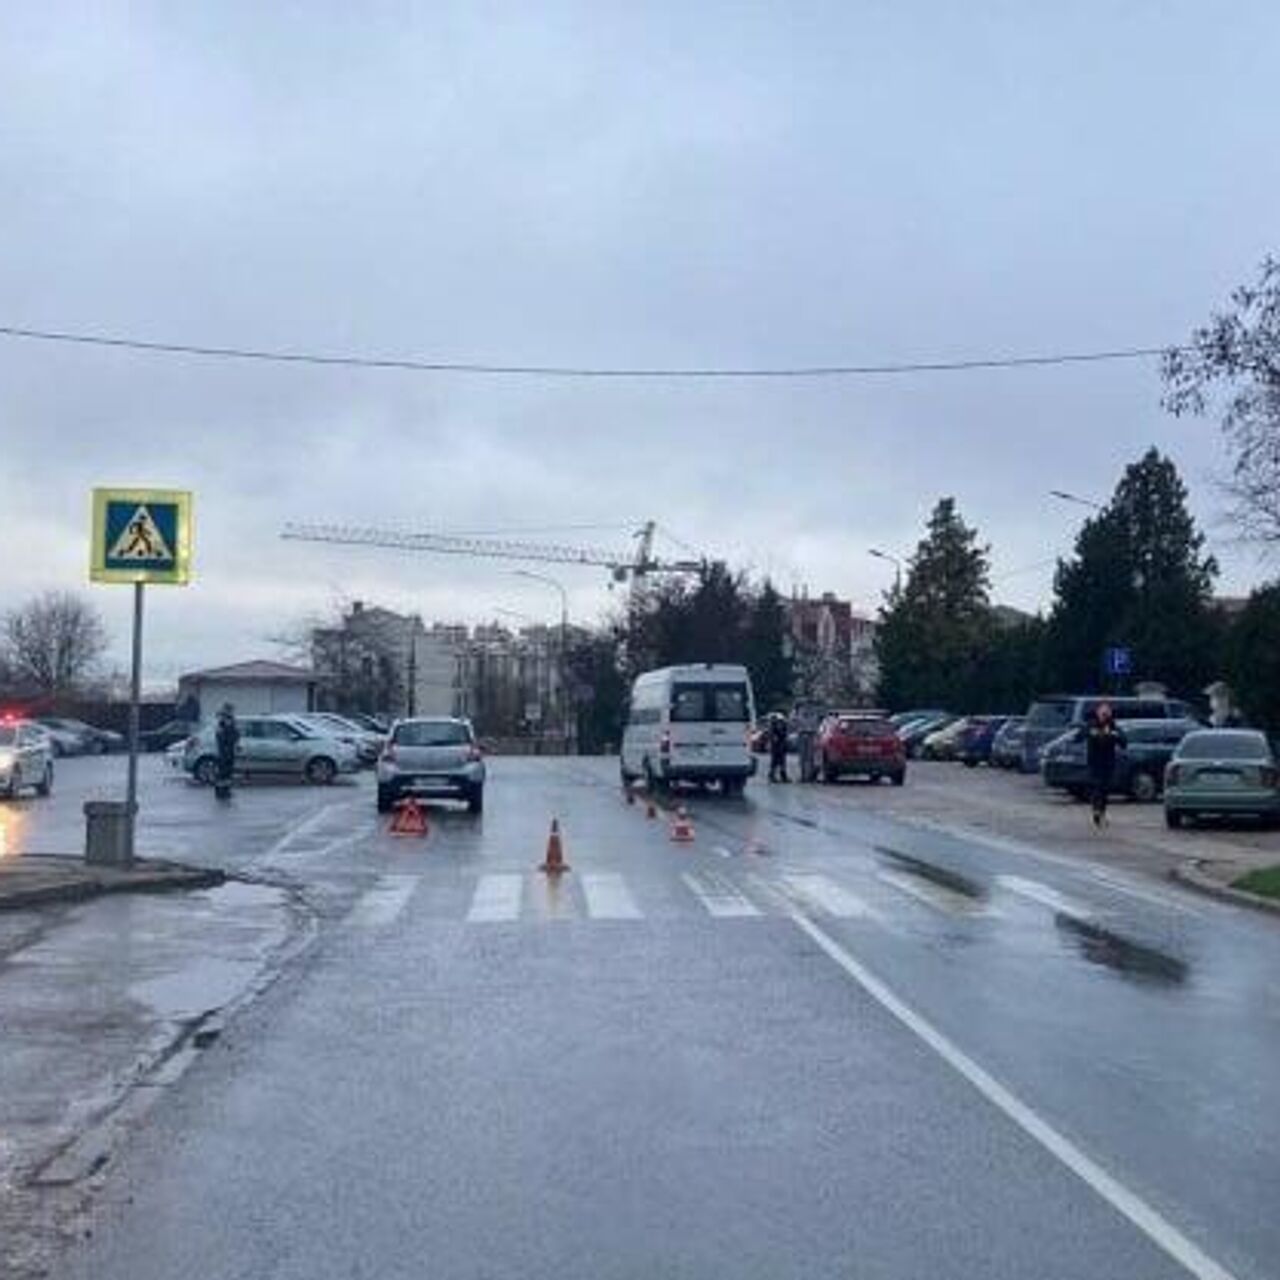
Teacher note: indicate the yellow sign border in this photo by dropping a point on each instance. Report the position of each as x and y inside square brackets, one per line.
[179, 575]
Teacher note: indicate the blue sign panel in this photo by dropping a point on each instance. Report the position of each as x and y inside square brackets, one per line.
[141, 535]
[1118, 660]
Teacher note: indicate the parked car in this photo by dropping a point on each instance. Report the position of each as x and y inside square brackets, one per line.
[1052, 715]
[368, 746]
[915, 732]
[1140, 766]
[865, 745]
[431, 756]
[901, 718]
[1006, 748]
[66, 736]
[973, 747]
[95, 741]
[26, 758]
[273, 744]
[941, 743]
[371, 724]
[1224, 772]
[165, 735]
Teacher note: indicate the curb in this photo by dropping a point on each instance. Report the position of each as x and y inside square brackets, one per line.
[163, 877]
[1190, 875]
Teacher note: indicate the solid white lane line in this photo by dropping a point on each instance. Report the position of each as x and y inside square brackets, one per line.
[382, 905]
[718, 895]
[608, 897]
[1034, 891]
[497, 898]
[824, 893]
[937, 896]
[1158, 1229]
[1156, 897]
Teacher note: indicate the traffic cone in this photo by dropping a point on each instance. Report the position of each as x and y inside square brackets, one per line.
[410, 819]
[554, 863]
[682, 827]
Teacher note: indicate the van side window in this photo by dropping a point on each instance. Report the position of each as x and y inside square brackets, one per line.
[731, 703]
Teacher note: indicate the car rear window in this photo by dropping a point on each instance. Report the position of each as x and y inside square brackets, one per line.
[862, 728]
[722, 702]
[432, 733]
[1226, 745]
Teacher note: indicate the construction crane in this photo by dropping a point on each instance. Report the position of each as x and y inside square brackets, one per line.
[621, 566]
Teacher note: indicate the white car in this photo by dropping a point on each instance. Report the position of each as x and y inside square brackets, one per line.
[26, 758]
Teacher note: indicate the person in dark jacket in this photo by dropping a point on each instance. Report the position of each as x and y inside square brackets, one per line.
[226, 737]
[778, 748]
[1103, 738]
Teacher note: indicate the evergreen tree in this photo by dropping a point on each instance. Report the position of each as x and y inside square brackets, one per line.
[1253, 658]
[933, 634]
[1139, 579]
[766, 645]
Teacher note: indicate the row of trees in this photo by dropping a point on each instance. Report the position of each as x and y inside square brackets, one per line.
[1138, 578]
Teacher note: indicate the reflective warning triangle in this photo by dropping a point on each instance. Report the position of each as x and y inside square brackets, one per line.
[140, 539]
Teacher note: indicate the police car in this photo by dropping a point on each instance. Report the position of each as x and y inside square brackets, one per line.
[26, 757]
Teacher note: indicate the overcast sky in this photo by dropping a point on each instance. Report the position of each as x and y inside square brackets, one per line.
[595, 184]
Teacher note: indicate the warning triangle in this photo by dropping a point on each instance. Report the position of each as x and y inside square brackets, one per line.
[140, 539]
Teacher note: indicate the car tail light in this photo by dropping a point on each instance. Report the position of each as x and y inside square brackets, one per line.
[389, 753]
[1172, 775]
[474, 753]
[1269, 775]
[664, 744]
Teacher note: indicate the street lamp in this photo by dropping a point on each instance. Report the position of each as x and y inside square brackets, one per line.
[1063, 496]
[893, 560]
[549, 581]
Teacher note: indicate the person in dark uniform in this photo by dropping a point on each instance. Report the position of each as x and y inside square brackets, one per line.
[1103, 738]
[226, 737]
[778, 748]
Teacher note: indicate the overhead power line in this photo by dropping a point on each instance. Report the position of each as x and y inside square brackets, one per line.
[501, 369]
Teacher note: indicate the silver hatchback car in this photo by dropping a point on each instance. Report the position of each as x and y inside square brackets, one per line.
[271, 744]
[431, 756]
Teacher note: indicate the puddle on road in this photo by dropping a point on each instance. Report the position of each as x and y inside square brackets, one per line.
[188, 993]
[944, 877]
[1110, 950]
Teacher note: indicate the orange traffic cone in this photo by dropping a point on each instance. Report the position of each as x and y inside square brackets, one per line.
[554, 863]
[410, 819]
[682, 827]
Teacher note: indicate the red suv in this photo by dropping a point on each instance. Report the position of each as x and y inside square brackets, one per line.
[863, 744]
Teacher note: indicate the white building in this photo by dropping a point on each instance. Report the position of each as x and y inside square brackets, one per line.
[253, 688]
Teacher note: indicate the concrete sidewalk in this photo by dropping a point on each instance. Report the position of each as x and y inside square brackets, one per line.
[38, 879]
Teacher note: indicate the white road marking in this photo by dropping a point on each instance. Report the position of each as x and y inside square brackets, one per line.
[298, 830]
[381, 906]
[1034, 891]
[720, 897]
[937, 896]
[825, 894]
[608, 897]
[497, 898]
[1158, 1229]
[1113, 880]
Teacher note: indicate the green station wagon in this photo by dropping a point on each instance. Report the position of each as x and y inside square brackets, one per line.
[1222, 772]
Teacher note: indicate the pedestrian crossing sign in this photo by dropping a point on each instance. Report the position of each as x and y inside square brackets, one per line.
[141, 535]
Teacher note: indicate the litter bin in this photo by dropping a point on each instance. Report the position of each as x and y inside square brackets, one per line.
[106, 839]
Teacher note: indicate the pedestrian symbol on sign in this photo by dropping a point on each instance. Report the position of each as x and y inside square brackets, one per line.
[141, 540]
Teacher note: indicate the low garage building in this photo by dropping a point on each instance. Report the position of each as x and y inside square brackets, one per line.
[253, 688]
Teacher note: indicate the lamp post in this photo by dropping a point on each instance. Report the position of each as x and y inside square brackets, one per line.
[548, 580]
[893, 560]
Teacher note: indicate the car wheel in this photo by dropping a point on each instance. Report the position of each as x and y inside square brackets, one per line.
[970, 763]
[205, 771]
[1172, 818]
[475, 801]
[1078, 793]
[321, 771]
[899, 778]
[734, 786]
[386, 799]
[1143, 786]
[45, 786]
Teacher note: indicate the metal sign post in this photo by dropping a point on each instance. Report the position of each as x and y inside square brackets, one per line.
[139, 536]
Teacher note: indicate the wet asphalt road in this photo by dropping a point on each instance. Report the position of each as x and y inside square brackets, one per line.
[816, 1042]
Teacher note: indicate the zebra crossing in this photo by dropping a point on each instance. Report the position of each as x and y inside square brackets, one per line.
[510, 897]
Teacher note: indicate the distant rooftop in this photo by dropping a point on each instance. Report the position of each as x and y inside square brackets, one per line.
[256, 671]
